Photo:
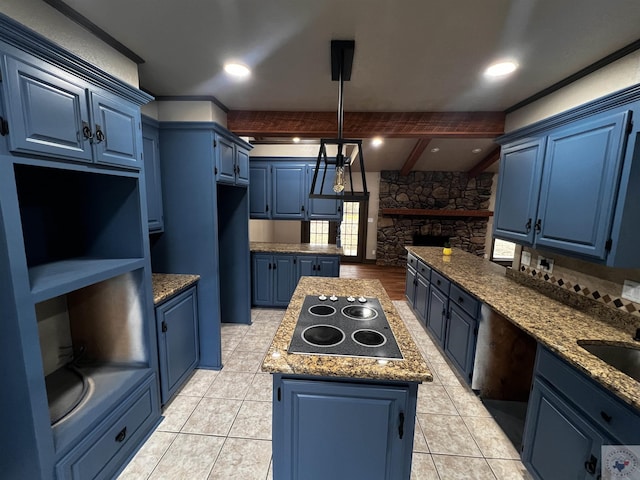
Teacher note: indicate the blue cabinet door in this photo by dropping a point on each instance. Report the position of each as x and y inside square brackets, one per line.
[558, 443]
[225, 160]
[421, 297]
[288, 188]
[259, 190]
[410, 286]
[262, 279]
[242, 166]
[305, 265]
[153, 182]
[517, 194]
[322, 208]
[460, 340]
[116, 131]
[327, 266]
[283, 279]
[326, 430]
[579, 185]
[437, 316]
[177, 327]
[47, 113]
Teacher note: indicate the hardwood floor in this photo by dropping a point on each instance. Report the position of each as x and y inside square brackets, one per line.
[392, 278]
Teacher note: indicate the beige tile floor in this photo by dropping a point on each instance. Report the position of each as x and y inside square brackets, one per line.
[218, 426]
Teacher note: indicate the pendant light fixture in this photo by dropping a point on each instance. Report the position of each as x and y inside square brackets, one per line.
[341, 63]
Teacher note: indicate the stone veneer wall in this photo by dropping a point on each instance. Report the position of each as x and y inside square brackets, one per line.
[433, 191]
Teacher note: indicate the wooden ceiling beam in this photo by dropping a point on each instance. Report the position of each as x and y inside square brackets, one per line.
[485, 163]
[416, 153]
[367, 124]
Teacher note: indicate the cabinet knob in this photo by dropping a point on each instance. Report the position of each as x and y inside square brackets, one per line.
[528, 226]
[86, 131]
[302, 208]
[122, 434]
[460, 300]
[590, 466]
[99, 134]
[605, 416]
[538, 226]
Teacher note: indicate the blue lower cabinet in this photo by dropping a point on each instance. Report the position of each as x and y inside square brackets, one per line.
[178, 352]
[558, 443]
[421, 297]
[272, 279]
[105, 450]
[317, 266]
[569, 418]
[460, 340]
[410, 286]
[325, 429]
[437, 314]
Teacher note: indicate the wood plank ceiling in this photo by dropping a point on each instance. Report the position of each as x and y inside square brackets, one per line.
[420, 125]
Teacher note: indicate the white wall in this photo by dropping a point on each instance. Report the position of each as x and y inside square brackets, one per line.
[47, 21]
[615, 76]
[186, 111]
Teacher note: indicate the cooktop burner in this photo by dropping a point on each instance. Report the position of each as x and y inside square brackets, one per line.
[346, 326]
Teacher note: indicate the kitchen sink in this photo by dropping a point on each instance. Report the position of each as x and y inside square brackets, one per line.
[625, 358]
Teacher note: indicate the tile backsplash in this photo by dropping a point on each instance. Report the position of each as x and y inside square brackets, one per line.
[595, 282]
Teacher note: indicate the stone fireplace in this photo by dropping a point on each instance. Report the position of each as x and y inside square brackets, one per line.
[431, 191]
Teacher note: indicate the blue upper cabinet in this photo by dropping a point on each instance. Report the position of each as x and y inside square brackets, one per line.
[579, 185]
[47, 114]
[321, 208]
[260, 190]
[52, 115]
[117, 127]
[571, 184]
[232, 161]
[153, 183]
[288, 187]
[518, 187]
[280, 190]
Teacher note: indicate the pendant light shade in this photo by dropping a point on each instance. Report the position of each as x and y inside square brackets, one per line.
[341, 63]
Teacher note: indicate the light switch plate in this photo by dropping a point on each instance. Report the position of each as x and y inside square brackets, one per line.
[545, 264]
[631, 291]
[525, 259]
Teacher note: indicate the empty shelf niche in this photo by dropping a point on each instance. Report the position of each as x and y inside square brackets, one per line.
[78, 227]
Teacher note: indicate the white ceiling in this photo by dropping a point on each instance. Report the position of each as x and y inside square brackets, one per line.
[410, 55]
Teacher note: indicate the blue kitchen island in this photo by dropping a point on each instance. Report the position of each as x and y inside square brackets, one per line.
[342, 416]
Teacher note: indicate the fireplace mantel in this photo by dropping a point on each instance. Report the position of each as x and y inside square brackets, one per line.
[419, 212]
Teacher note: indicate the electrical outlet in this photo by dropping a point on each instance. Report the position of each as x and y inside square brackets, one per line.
[545, 264]
[373, 252]
[370, 220]
[525, 258]
[631, 291]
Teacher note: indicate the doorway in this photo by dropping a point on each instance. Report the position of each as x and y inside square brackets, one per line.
[353, 231]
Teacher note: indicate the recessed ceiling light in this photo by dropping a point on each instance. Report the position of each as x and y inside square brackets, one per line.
[376, 142]
[500, 69]
[476, 150]
[296, 139]
[237, 69]
[435, 150]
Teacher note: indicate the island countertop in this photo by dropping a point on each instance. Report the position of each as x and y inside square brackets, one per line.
[552, 323]
[166, 285]
[301, 248]
[412, 368]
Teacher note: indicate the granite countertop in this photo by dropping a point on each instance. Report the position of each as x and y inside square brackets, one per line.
[303, 248]
[412, 368]
[548, 321]
[166, 285]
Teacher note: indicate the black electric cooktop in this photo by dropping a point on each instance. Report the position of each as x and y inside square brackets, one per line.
[345, 326]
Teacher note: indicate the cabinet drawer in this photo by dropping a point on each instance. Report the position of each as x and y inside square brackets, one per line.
[464, 300]
[424, 270]
[412, 260]
[618, 420]
[101, 454]
[441, 282]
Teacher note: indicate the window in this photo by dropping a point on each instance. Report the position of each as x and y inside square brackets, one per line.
[319, 232]
[503, 250]
[349, 228]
